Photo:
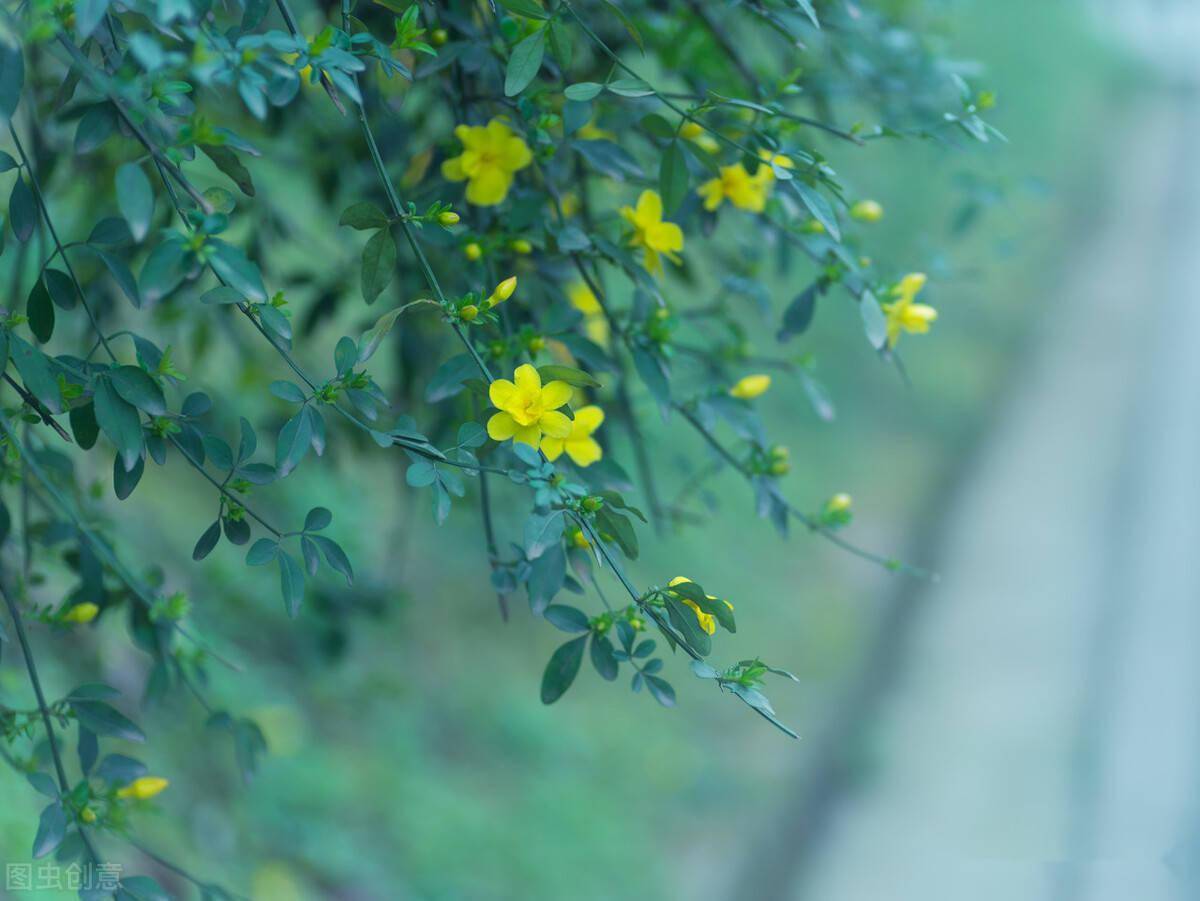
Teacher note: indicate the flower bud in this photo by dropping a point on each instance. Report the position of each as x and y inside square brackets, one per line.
[536, 343]
[592, 504]
[867, 211]
[780, 468]
[751, 386]
[81, 613]
[468, 313]
[438, 37]
[143, 789]
[448, 218]
[473, 251]
[87, 815]
[521, 246]
[505, 289]
[839, 503]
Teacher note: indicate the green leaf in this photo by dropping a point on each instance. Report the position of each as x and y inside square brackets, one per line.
[630, 87]
[526, 8]
[163, 270]
[799, 314]
[317, 519]
[568, 619]
[125, 480]
[207, 541]
[135, 199]
[378, 264]
[227, 161]
[807, 8]
[84, 426]
[136, 386]
[364, 216]
[524, 63]
[873, 320]
[12, 74]
[583, 91]
[221, 295]
[818, 206]
[295, 438]
[421, 474]
[373, 337]
[61, 288]
[52, 829]
[335, 557]
[22, 210]
[89, 14]
[236, 269]
[40, 310]
[35, 371]
[661, 690]
[568, 374]
[562, 669]
[603, 659]
[673, 177]
[262, 552]
[628, 23]
[684, 620]
[541, 531]
[291, 582]
[119, 420]
[104, 719]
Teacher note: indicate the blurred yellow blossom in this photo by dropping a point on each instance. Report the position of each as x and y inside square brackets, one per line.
[904, 314]
[491, 155]
[81, 613]
[739, 187]
[659, 238]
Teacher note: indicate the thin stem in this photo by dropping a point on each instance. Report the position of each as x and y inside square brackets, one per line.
[31, 667]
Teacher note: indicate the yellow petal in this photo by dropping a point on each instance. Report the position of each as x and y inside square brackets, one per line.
[500, 393]
[555, 394]
[501, 426]
[589, 418]
[713, 193]
[555, 424]
[649, 209]
[489, 187]
[452, 169]
[665, 237]
[552, 447]
[584, 451]
[530, 434]
[527, 378]
[515, 154]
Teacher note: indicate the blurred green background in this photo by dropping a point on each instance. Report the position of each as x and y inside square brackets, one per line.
[410, 755]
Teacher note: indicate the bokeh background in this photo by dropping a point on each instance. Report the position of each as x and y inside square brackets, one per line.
[1025, 727]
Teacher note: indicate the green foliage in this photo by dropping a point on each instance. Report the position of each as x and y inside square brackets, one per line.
[559, 281]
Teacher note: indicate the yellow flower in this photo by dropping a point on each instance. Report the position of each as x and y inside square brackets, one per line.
[590, 132]
[580, 446]
[903, 314]
[583, 298]
[751, 386]
[707, 621]
[143, 789]
[867, 211]
[649, 231]
[527, 409]
[491, 155]
[694, 132]
[744, 191]
[81, 613]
